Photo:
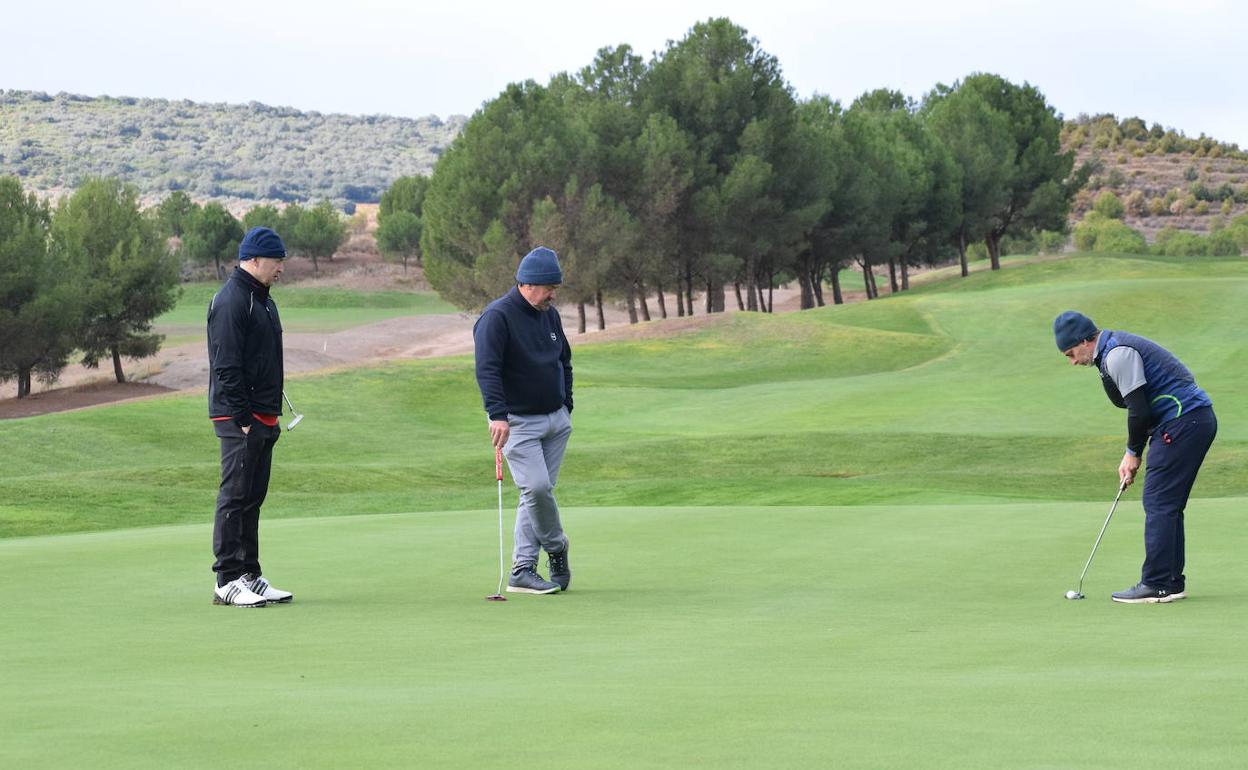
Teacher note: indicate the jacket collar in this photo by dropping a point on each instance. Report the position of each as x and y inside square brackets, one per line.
[248, 280]
[516, 297]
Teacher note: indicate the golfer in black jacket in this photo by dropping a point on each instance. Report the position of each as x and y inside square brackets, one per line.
[244, 402]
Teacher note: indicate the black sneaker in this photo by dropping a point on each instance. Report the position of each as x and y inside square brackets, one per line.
[559, 570]
[1142, 594]
[525, 580]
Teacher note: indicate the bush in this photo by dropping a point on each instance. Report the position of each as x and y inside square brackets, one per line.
[1223, 244]
[1098, 232]
[1191, 174]
[1135, 203]
[1108, 205]
[1156, 207]
[1051, 242]
[1179, 243]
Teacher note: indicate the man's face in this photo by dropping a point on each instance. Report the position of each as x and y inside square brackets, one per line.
[1081, 354]
[268, 269]
[539, 296]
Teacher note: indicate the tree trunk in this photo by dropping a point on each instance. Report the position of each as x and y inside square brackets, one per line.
[866, 277]
[23, 383]
[315, 267]
[993, 241]
[689, 288]
[632, 305]
[220, 270]
[892, 276]
[762, 301]
[658, 293]
[680, 299]
[962, 252]
[645, 306]
[580, 318]
[121, 376]
[808, 293]
[602, 319]
[837, 297]
[771, 295]
[905, 275]
[736, 289]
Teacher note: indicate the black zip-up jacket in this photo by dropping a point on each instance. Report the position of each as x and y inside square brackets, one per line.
[244, 351]
[524, 363]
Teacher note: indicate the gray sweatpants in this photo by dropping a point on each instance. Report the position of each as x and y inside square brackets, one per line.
[534, 452]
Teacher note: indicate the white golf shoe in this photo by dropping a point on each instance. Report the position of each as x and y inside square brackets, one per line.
[262, 587]
[237, 593]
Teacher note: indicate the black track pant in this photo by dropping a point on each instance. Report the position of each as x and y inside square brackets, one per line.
[245, 463]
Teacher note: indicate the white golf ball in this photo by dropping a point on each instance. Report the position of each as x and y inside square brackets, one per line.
[1072, 595]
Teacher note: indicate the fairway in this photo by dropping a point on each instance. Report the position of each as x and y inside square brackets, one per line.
[931, 636]
[835, 538]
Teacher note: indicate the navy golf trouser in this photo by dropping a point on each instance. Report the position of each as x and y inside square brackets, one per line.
[1175, 453]
[246, 460]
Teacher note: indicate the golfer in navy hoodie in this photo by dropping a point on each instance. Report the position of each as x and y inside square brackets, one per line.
[524, 370]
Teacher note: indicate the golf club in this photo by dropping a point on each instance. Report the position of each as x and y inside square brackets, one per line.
[298, 417]
[498, 474]
[1078, 593]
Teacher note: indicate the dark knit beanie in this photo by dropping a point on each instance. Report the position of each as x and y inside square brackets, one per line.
[261, 242]
[1071, 328]
[540, 267]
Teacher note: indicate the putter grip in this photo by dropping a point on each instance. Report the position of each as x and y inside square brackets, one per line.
[498, 464]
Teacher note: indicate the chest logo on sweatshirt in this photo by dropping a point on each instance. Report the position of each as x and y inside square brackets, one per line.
[553, 337]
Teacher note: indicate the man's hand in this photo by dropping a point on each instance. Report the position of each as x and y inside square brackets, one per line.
[1127, 470]
[245, 429]
[499, 430]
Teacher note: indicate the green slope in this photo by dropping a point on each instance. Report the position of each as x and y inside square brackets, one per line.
[954, 393]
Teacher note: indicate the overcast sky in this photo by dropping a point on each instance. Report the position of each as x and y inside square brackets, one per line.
[1181, 63]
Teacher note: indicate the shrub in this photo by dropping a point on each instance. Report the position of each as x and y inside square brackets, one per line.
[1191, 174]
[1223, 244]
[1228, 205]
[1202, 208]
[1100, 233]
[1135, 203]
[1051, 241]
[1156, 207]
[1108, 205]
[1179, 243]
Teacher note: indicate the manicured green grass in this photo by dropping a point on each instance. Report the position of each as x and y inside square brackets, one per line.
[838, 538]
[725, 636]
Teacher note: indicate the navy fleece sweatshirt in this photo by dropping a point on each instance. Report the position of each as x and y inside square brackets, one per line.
[524, 363]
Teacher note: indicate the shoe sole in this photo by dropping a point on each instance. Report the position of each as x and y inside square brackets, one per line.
[1149, 600]
[217, 600]
[519, 590]
[287, 600]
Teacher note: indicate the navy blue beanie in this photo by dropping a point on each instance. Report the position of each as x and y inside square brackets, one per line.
[261, 242]
[1071, 328]
[540, 267]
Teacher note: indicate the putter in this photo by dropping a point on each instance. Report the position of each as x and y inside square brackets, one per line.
[1078, 593]
[298, 417]
[498, 475]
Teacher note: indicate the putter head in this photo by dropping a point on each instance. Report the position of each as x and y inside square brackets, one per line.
[496, 598]
[1074, 595]
[291, 425]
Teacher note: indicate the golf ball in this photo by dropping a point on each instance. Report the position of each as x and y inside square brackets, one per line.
[1072, 595]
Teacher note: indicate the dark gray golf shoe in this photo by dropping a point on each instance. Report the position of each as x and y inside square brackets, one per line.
[1143, 594]
[525, 580]
[560, 572]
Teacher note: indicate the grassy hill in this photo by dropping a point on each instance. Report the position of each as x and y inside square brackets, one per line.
[905, 400]
[251, 152]
[838, 538]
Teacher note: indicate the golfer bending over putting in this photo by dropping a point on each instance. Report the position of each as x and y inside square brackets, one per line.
[1169, 412]
[524, 370]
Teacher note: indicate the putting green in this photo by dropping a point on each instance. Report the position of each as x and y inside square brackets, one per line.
[868, 636]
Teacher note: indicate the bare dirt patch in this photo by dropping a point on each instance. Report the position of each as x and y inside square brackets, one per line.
[77, 397]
